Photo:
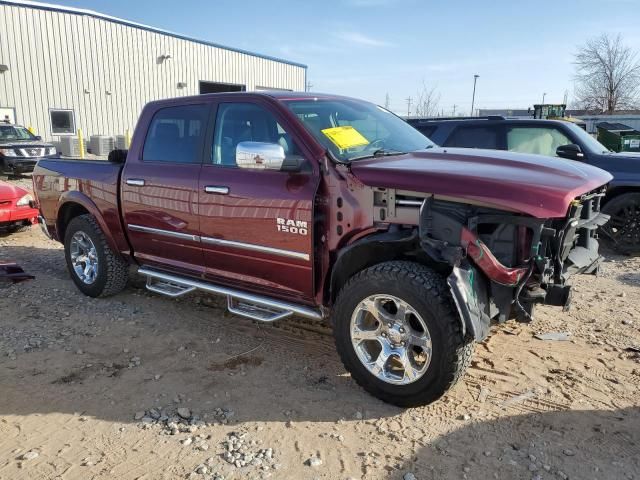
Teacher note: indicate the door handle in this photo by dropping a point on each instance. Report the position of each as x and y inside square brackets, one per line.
[135, 182]
[216, 189]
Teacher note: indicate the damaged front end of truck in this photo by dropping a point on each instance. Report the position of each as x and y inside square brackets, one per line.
[504, 263]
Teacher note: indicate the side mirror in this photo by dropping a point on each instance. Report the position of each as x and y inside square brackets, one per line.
[38, 137]
[571, 151]
[117, 156]
[265, 156]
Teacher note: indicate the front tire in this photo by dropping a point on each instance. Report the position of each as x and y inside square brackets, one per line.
[398, 333]
[96, 270]
[622, 231]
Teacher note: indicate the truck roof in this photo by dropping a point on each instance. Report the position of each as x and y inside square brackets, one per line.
[480, 120]
[276, 94]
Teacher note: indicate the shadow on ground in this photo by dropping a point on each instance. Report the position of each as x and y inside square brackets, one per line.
[66, 353]
[589, 444]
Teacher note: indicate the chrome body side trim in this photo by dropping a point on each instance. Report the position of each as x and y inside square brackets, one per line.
[301, 310]
[256, 248]
[166, 233]
[218, 241]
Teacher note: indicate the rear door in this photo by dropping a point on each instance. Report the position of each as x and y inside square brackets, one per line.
[159, 188]
[256, 225]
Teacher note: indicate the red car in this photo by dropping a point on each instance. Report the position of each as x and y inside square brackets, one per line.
[16, 208]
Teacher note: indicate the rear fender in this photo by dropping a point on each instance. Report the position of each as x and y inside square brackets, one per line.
[84, 201]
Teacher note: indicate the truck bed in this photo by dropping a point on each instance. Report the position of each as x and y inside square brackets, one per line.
[93, 184]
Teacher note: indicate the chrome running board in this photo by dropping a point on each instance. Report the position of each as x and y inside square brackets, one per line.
[246, 304]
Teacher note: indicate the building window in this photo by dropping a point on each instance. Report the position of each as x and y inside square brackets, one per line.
[62, 122]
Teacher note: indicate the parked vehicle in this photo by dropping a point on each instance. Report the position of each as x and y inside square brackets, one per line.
[555, 111]
[561, 139]
[324, 206]
[20, 150]
[17, 210]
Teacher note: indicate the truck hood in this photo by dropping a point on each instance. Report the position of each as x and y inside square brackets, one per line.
[535, 185]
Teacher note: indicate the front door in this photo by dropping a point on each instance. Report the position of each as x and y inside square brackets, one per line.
[159, 189]
[256, 225]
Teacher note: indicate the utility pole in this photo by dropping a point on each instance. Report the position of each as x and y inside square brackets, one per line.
[454, 110]
[473, 99]
[408, 106]
[566, 96]
[387, 101]
[543, 97]
[309, 85]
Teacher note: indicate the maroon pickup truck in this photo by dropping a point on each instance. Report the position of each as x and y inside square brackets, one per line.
[329, 207]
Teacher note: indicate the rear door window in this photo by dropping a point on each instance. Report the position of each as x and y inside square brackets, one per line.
[175, 134]
[474, 137]
[538, 140]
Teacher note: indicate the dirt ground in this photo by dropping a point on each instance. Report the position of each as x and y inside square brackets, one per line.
[138, 386]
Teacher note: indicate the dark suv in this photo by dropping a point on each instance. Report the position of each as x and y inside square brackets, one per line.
[20, 149]
[560, 139]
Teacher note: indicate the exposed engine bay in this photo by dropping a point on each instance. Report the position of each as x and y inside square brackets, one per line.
[504, 263]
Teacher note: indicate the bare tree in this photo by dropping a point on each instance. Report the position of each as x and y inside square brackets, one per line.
[426, 103]
[607, 75]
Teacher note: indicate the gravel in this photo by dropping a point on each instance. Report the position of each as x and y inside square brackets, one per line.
[30, 455]
[313, 462]
[240, 452]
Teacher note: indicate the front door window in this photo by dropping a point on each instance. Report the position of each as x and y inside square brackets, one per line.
[538, 140]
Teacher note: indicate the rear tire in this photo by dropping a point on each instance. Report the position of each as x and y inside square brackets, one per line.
[622, 232]
[96, 270]
[424, 294]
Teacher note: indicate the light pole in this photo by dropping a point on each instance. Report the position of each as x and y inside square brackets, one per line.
[543, 95]
[473, 99]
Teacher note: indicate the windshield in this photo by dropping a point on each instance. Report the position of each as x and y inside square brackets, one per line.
[353, 130]
[591, 143]
[12, 132]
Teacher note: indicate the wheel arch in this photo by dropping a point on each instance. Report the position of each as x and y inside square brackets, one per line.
[366, 252]
[74, 204]
[616, 191]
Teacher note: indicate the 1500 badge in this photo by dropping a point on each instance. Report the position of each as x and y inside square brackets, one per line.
[292, 226]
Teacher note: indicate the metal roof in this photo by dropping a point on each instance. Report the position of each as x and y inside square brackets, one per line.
[109, 18]
[613, 126]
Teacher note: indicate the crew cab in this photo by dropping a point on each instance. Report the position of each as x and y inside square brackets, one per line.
[329, 207]
[558, 138]
[20, 149]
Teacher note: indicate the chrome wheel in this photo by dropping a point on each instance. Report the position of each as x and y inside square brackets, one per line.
[391, 339]
[84, 257]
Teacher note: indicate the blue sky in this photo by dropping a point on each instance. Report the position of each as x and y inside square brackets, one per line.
[368, 48]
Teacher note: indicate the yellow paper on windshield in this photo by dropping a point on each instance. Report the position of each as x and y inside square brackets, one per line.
[345, 137]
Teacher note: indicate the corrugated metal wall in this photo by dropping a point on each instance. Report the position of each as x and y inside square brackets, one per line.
[106, 71]
[632, 121]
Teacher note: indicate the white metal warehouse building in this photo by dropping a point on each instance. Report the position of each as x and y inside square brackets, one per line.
[63, 69]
